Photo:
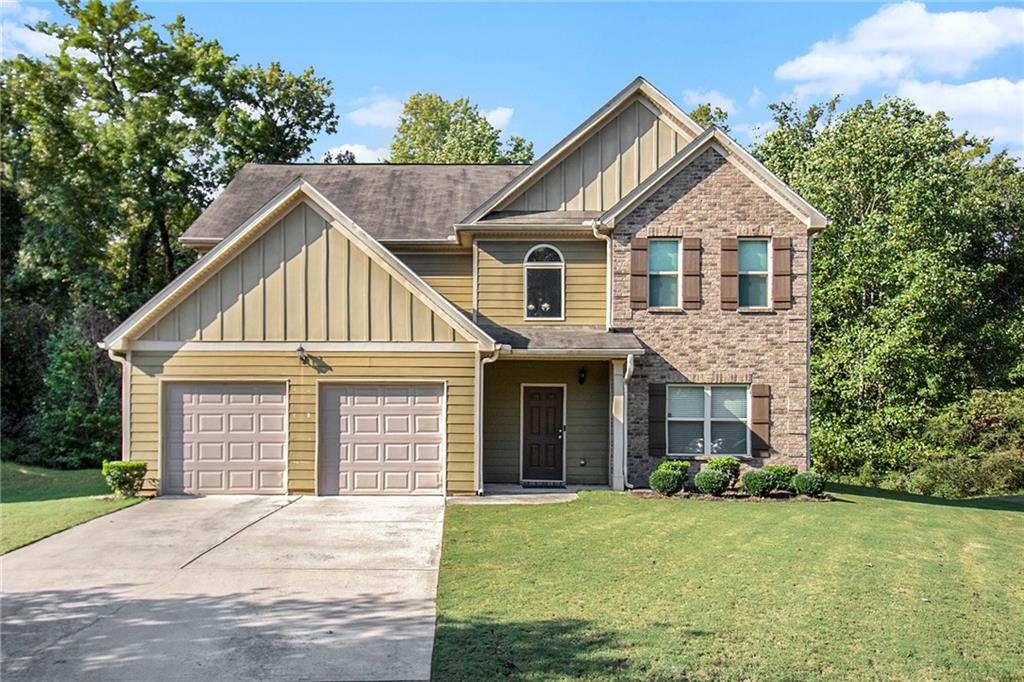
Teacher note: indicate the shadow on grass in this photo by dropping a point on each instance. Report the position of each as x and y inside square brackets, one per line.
[1008, 503]
[485, 649]
[21, 483]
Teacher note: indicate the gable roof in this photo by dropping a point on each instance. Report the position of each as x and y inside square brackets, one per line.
[297, 191]
[734, 153]
[639, 86]
[394, 202]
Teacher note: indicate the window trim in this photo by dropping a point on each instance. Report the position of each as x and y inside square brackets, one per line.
[527, 266]
[678, 273]
[767, 273]
[707, 419]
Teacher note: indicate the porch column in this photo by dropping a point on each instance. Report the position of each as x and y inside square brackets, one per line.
[618, 425]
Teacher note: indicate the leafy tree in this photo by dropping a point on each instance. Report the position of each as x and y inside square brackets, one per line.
[342, 156]
[434, 130]
[918, 293]
[707, 115]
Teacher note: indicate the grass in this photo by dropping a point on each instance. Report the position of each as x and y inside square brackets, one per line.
[876, 585]
[37, 502]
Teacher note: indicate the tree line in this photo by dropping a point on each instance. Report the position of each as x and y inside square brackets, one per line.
[113, 146]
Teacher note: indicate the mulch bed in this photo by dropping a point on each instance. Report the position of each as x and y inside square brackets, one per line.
[730, 496]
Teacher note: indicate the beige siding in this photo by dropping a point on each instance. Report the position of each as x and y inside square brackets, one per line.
[586, 418]
[450, 274]
[301, 280]
[457, 368]
[605, 166]
[500, 281]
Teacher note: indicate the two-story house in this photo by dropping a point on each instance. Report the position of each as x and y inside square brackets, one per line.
[639, 292]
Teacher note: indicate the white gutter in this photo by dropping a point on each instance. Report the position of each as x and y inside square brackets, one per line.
[595, 226]
[487, 359]
[627, 375]
[126, 404]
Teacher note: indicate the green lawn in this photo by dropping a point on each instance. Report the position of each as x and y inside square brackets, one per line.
[37, 502]
[872, 586]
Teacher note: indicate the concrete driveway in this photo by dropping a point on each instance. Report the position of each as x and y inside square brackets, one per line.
[229, 588]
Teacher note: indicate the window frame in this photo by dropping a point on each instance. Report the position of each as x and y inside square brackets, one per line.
[766, 273]
[663, 273]
[527, 266]
[707, 420]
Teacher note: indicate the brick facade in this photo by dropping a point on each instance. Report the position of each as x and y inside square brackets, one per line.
[711, 198]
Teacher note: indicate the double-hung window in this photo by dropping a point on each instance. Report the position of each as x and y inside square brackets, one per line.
[663, 273]
[753, 273]
[707, 420]
[544, 293]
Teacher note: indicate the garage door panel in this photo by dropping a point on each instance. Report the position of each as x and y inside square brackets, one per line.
[381, 439]
[225, 438]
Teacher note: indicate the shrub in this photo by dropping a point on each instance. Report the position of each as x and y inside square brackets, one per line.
[808, 483]
[680, 465]
[711, 481]
[124, 478]
[998, 473]
[667, 481]
[728, 465]
[758, 482]
[781, 475]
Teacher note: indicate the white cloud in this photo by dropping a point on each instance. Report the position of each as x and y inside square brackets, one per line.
[363, 153]
[900, 42]
[26, 13]
[694, 98]
[18, 38]
[993, 107]
[755, 98]
[499, 117]
[380, 111]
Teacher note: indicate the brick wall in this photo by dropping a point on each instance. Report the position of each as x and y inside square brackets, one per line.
[711, 199]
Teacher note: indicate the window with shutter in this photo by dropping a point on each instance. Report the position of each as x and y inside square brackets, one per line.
[656, 420]
[638, 273]
[760, 420]
[691, 273]
[707, 420]
[728, 273]
[782, 272]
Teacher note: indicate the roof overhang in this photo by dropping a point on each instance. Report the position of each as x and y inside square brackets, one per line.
[714, 138]
[639, 86]
[298, 191]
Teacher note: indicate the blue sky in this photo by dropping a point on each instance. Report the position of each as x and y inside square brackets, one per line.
[539, 69]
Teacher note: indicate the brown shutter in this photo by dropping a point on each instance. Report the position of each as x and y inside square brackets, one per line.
[730, 273]
[782, 270]
[760, 420]
[638, 273]
[656, 419]
[691, 273]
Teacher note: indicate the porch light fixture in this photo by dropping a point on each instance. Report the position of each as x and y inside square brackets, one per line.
[300, 353]
[582, 375]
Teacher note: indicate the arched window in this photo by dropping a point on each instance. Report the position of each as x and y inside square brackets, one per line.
[544, 272]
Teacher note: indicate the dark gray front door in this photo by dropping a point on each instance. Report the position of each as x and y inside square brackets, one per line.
[542, 433]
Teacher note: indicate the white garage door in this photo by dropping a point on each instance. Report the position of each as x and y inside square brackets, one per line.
[224, 438]
[381, 439]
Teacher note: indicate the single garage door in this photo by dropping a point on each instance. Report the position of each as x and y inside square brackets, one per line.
[381, 439]
[224, 438]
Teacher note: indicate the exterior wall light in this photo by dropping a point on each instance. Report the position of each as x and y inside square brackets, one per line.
[582, 375]
[300, 353]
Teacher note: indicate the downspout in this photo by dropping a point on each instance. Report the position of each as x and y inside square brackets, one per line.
[125, 398]
[626, 376]
[807, 411]
[485, 359]
[595, 226]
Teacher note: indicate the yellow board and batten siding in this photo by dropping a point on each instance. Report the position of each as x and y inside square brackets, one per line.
[500, 281]
[457, 368]
[607, 165]
[302, 280]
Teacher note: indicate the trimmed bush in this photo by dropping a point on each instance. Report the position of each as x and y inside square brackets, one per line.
[758, 482]
[124, 478]
[782, 475]
[680, 465]
[808, 483]
[727, 465]
[668, 482]
[711, 481]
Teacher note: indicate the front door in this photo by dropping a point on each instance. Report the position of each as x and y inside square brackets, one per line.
[543, 433]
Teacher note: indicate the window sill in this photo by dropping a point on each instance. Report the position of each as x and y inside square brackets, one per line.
[665, 311]
[761, 310]
[708, 458]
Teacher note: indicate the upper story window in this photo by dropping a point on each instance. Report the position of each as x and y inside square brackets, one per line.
[707, 420]
[544, 273]
[753, 273]
[663, 273]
